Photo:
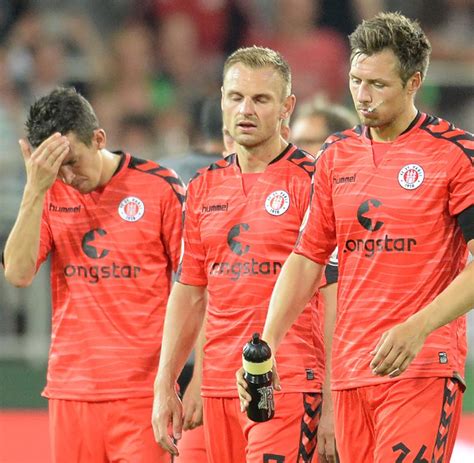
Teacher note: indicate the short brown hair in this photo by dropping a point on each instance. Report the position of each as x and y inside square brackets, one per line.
[398, 33]
[259, 57]
[63, 110]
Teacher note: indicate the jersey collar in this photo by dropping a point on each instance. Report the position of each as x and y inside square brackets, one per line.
[285, 153]
[412, 127]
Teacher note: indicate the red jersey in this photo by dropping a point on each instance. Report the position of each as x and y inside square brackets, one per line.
[398, 238]
[112, 255]
[235, 244]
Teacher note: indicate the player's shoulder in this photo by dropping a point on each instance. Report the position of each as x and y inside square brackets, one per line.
[441, 130]
[300, 161]
[152, 168]
[344, 139]
[155, 172]
[213, 170]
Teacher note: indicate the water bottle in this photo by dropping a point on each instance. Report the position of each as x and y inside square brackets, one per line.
[257, 363]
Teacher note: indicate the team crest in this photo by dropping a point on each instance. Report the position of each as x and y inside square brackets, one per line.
[411, 176]
[131, 209]
[277, 203]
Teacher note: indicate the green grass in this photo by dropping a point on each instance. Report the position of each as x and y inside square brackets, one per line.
[468, 404]
[21, 385]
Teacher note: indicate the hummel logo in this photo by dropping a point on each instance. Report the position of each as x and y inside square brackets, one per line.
[349, 179]
[69, 210]
[215, 208]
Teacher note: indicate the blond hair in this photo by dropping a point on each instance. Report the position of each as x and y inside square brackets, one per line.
[260, 57]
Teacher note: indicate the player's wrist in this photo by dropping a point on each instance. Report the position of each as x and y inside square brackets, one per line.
[271, 340]
[33, 192]
[422, 321]
[164, 382]
[326, 389]
[327, 403]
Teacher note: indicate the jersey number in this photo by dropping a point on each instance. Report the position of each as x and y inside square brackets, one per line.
[405, 451]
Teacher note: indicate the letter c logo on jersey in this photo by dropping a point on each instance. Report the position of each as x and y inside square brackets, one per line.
[236, 268]
[235, 245]
[367, 217]
[91, 250]
[277, 203]
[93, 274]
[365, 211]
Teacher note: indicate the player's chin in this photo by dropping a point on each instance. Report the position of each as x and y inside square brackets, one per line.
[84, 188]
[247, 140]
[369, 120]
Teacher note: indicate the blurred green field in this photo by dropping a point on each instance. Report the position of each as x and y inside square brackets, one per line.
[21, 385]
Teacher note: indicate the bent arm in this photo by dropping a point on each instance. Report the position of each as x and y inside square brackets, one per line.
[456, 300]
[42, 167]
[22, 246]
[401, 344]
[298, 280]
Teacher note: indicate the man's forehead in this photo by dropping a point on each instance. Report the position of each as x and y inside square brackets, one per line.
[240, 74]
[384, 60]
[69, 157]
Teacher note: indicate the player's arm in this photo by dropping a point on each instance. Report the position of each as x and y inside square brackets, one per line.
[192, 401]
[400, 345]
[22, 246]
[184, 317]
[298, 281]
[326, 439]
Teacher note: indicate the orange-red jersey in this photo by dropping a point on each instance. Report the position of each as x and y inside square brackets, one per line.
[112, 255]
[236, 244]
[398, 239]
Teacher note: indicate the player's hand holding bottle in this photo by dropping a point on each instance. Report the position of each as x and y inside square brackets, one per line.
[257, 379]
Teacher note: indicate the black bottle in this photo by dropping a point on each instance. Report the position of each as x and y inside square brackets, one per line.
[257, 362]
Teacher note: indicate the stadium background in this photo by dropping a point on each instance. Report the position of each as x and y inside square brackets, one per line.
[147, 66]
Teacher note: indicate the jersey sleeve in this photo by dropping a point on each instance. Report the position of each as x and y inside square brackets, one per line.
[461, 183]
[172, 221]
[317, 238]
[192, 266]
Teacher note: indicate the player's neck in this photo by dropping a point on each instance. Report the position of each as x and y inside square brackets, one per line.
[109, 164]
[256, 159]
[391, 131]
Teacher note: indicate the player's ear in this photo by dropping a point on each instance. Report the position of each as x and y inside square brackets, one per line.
[414, 82]
[99, 138]
[288, 107]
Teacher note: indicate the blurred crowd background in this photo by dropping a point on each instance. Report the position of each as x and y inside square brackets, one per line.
[147, 66]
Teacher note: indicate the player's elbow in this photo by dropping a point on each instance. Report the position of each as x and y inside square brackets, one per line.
[18, 280]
